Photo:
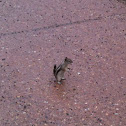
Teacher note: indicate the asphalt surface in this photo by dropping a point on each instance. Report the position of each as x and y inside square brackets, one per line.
[35, 35]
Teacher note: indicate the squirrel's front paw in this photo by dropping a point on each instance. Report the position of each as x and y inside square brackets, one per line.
[63, 78]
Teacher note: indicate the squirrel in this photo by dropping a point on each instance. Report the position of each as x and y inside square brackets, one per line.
[60, 70]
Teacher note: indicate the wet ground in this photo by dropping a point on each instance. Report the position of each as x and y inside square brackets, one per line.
[36, 34]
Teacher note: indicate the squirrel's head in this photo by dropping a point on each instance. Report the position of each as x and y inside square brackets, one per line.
[68, 60]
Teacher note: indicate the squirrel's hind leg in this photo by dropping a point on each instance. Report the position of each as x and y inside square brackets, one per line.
[59, 78]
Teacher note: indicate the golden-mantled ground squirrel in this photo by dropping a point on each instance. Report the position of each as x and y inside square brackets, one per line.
[60, 70]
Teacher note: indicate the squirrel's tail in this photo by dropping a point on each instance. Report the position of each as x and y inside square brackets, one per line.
[54, 69]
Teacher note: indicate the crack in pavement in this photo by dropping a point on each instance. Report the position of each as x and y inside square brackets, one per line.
[49, 27]
[55, 26]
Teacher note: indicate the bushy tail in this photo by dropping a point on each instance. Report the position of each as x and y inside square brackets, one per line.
[54, 69]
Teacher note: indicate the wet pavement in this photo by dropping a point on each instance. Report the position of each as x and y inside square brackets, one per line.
[36, 34]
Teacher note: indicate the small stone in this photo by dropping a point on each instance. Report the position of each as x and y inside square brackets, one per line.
[3, 59]
[46, 102]
[24, 112]
[116, 113]
[106, 114]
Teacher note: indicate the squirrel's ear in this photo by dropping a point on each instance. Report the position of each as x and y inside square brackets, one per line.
[65, 58]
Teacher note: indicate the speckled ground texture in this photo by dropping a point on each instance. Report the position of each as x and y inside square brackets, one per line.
[36, 34]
